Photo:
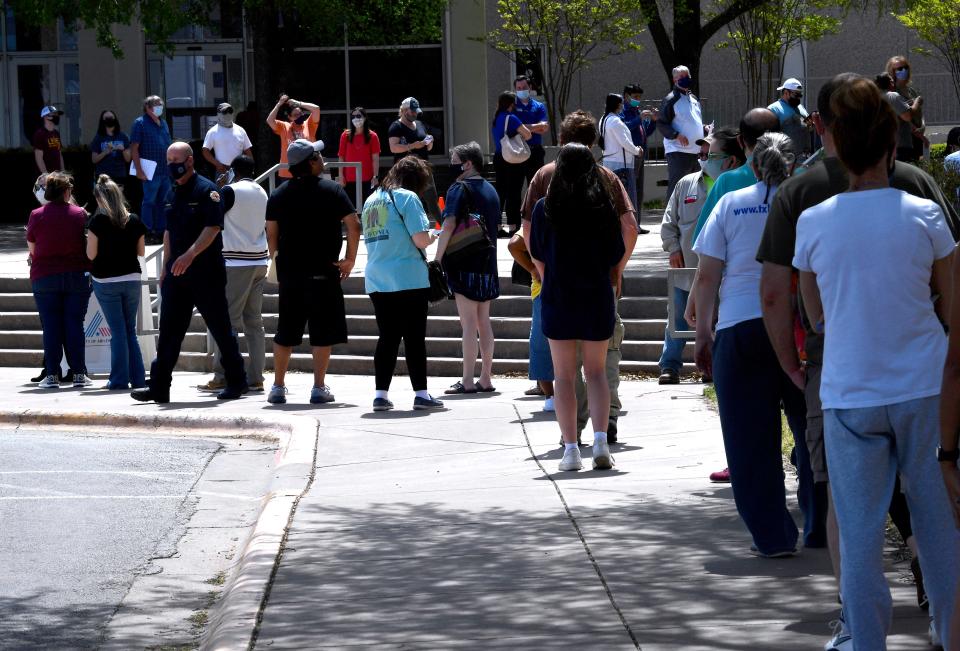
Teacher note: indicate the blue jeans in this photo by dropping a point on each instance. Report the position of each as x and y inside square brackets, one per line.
[751, 387]
[866, 448]
[672, 356]
[62, 302]
[628, 176]
[153, 210]
[119, 303]
[541, 363]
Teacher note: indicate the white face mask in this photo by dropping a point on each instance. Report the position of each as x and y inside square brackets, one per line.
[225, 120]
[38, 192]
[357, 123]
[158, 110]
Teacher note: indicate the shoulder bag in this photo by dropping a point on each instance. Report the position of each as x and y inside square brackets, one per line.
[514, 150]
[469, 235]
[439, 290]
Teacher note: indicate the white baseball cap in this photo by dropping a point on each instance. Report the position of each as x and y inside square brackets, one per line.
[791, 84]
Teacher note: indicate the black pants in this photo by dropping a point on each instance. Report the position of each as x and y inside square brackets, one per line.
[204, 289]
[510, 177]
[401, 316]
[638, 169]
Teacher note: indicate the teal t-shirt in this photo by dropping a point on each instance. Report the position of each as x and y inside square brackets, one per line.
[735, 179]
[393, 262]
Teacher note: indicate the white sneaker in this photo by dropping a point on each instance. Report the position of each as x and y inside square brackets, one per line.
[80, 380]
[602, 459]
[934, 636]
[49, 382]
[548, 404]
[571, 460]
[841, 640]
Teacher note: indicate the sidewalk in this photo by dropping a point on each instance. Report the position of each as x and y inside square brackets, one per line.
[442, 530]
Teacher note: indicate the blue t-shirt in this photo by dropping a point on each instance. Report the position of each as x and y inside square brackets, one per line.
[951, 162]
[533, 112]
[113, 164]
[393, 262]
[507, 121]
[486, 203]
[735, 179]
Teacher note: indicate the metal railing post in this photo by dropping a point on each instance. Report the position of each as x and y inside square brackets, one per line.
[672, 276]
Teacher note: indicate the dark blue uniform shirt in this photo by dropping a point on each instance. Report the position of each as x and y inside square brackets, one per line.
[194, 206]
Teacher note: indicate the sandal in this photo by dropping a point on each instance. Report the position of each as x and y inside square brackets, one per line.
[459, 388]
[482, 389]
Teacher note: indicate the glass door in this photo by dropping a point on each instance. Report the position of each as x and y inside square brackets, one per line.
[36, 82]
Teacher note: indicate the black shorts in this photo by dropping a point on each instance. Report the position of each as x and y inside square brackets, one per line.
[316, 303]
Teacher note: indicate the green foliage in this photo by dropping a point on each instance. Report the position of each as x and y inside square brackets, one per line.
[368, 22]
[938, 23]
[566, 37]
[947, 179]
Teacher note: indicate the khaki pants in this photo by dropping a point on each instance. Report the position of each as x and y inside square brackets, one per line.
[613, 378]
[245, 304]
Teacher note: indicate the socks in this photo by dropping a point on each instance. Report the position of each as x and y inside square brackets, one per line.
[423, 394]
[570, 446]
[599, 437]
[380, 393]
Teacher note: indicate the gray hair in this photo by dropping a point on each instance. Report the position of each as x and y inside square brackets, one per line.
[773, 157]
[679, 69]
[151, 101]
[470, 151]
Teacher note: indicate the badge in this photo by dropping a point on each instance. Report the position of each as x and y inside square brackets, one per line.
[215, 197]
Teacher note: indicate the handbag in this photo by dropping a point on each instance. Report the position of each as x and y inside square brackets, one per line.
[439, 289]
[469, 235]
[513, 149]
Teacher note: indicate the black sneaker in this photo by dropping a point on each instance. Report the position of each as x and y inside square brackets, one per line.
[231, 393]
[669, 376]
[612, 432]
[149, 395]
[427, 403]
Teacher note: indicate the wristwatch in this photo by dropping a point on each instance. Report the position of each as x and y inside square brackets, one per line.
[950, 456]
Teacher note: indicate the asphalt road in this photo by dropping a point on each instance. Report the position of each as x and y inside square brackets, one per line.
[80, 516]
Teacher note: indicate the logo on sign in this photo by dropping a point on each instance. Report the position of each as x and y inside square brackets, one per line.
[97, 329]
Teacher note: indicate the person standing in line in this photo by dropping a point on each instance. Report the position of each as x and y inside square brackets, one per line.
[899, 69]
[149, 141]
[510, 176]
[619, 152]
[580, 127]
[906, 112]
[719, 152]
[302, 122]
[305, 218]
[395, 232]
[540, 367]
[245, 256]
[193, 276]
[880, 412]
[408, 135]
[533, 115]
[114, 242]
[110, 150]
[793, 116]
[224, 142]
[641, 123]
[579, 303]
[474, 279]
[47, 146]
[58, 273]
[359, 144]
[681, 124]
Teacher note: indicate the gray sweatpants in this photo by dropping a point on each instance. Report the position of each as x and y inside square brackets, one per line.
[245, 303]
[866, 448]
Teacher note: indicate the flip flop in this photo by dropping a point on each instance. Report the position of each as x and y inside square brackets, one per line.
[482, 389]
[459, 388]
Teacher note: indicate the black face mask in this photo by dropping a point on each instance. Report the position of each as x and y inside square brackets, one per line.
[177, 170]
[456, 169]
[55, 119]
[794, 101]
[110, 123]
[303, 118]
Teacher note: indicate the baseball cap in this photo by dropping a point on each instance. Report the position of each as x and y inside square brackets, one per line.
[50, 110]
[224, 108]
[953, 137]
[412, 104]
[301, 149]
[791, 84]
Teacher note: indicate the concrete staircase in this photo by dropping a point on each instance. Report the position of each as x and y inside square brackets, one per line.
[643, 309]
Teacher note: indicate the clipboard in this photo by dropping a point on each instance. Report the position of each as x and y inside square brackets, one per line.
[148, 166]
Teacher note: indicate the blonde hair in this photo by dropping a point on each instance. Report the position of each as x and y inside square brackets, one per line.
[111, 201]
[56, 186]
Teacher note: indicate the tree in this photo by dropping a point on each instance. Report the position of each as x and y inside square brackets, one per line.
[763, 36]
[938, 23]
[565, 37]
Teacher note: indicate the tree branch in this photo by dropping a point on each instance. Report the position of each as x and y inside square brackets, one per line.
[736, 8]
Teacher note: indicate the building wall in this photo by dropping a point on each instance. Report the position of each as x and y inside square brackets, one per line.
[110, 83]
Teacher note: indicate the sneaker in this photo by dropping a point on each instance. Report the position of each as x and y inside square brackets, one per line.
[602, 459]
[571, 460]
[231, 393]
[81, 380]
[535, 390]
[841, 640]
[42, 375]
[548, 404]
[320, 395]
[427, 403]
[934, 636]
[786, 553]
[922, 600]
[382, 404]
[49, 382]
[721, 476]
[277, 395]
[612, 432]
[256, 387]
[149, 395]
[669, 376]
[213, 385]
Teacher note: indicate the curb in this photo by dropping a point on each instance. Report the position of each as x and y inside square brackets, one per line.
[234, 617]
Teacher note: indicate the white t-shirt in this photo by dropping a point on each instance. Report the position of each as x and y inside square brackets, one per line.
[226, 144]
[873, 253]
[732, 234]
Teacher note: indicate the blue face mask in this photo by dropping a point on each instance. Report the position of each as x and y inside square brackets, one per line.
[158, 110]
[523, 95]
[902, 74]
[712, 167]
[634, 102]
[684, 82]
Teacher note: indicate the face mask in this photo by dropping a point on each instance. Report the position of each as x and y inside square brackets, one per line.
[634, 102]
[902, 74]
[55, 119]
[684, 82]
[793, 101]
[225, 120]
[456, 169]
[303, 118]
[357, 123]
[39, 191]
[523, 95]
[177, 170]
[110, 122]
[158, 110]
[712, 167]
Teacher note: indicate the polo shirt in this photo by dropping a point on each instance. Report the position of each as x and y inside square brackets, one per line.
[533, 112]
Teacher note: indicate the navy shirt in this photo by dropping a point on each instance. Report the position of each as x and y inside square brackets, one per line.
[486, 204]
[640, 130]
[113, 164]
[505, 122]
[154, 140]
[533, 112]
[194, 206]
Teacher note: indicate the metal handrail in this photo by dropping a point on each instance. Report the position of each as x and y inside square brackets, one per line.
[672, 275]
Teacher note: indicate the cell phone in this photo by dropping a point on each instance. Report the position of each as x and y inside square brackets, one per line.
[428, 139]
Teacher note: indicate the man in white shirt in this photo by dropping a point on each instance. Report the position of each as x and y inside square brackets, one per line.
[681, 125]
[224, 142]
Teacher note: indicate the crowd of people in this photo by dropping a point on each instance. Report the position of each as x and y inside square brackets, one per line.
[824, 289]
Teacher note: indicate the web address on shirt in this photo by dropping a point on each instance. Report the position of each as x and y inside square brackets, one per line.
[751, 210]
